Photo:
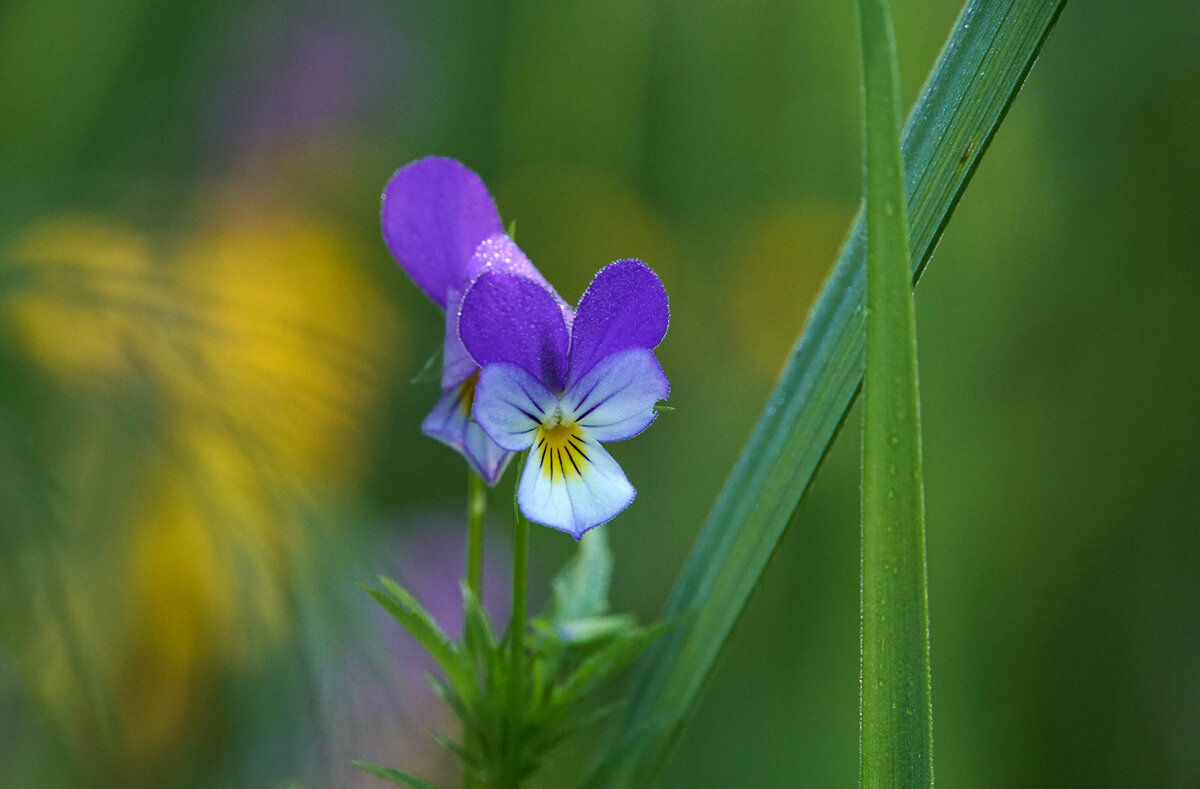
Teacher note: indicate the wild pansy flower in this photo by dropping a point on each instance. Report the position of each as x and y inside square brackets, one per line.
[441, 224]
[558, 388]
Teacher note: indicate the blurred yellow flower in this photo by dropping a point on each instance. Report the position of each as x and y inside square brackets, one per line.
[291, 341]
[181, 613]
[86, 284]
[253, 349]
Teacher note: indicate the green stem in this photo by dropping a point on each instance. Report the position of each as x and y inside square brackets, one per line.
[896, 723]
[511, 772]
[520, 581]
[476, 506]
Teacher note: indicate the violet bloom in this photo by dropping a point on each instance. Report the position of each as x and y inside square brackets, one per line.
[441, 224]
[559, 388]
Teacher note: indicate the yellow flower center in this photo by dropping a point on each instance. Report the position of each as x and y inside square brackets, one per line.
[466, 393]
[560, 452]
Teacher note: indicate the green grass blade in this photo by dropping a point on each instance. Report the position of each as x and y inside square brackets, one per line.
[896, 723]
[976, 78]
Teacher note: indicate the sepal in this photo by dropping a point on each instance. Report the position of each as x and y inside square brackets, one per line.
[431, 371]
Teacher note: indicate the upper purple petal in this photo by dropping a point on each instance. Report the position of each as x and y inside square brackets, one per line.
[497, 253]
[509, 318]
[501, 254]
[624, 307]
[435, 213]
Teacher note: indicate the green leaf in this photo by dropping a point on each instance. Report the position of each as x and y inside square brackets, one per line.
[450, 745]
[538, 678]
[976, 78]
[581, 587]
[431, 372]
[896, 721]
[398, 777]
[448, 696]
[405, 609]
[579, 632]
[577, 722]
[596, 668]
[479, 637]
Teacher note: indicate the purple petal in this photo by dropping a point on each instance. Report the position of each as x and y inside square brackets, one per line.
[615, 400]
[510, 405]
[624, 307]
[501, 254]
[450, 423]
[457, 364]
[497, 253]
[435, 213]
[511, 319]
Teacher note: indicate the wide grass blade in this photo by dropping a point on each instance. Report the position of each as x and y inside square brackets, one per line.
[896, 724]
[976, 78]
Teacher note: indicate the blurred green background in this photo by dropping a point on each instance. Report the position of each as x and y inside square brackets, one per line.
[207, 434]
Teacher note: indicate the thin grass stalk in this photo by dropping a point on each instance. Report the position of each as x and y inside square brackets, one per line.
[896, 714]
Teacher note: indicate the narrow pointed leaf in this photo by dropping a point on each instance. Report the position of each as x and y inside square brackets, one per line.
[578, 632]
[420, 625]
[431, 371]
[602, 664]
[450, 745]
[575, 724]
[479, 637]
[398, 777]
[976, 78]
[448, 696]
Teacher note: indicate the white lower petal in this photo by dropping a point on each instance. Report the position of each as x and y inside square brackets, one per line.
[572, 490]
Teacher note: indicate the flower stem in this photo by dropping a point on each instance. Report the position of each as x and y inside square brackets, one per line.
[510, 768]
[517, 630]
[476, 506]
[520, 581]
